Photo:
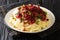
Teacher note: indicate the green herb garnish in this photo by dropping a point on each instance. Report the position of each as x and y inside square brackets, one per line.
[37, 22]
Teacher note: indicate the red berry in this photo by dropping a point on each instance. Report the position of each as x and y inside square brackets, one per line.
[26, 7]
[43, 17]
[19, 16]
[35, 13]
[47, 19]
[37, 9]
[27, 16]
[32, 21]
[31, 8]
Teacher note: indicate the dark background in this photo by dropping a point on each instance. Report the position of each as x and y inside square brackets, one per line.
[51, 34]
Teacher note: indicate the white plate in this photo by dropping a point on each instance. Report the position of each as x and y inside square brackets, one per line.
[15, 10]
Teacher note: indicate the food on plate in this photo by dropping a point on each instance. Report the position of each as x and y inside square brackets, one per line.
[29, 18]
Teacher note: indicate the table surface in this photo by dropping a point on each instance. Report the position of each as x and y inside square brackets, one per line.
[51, 34]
